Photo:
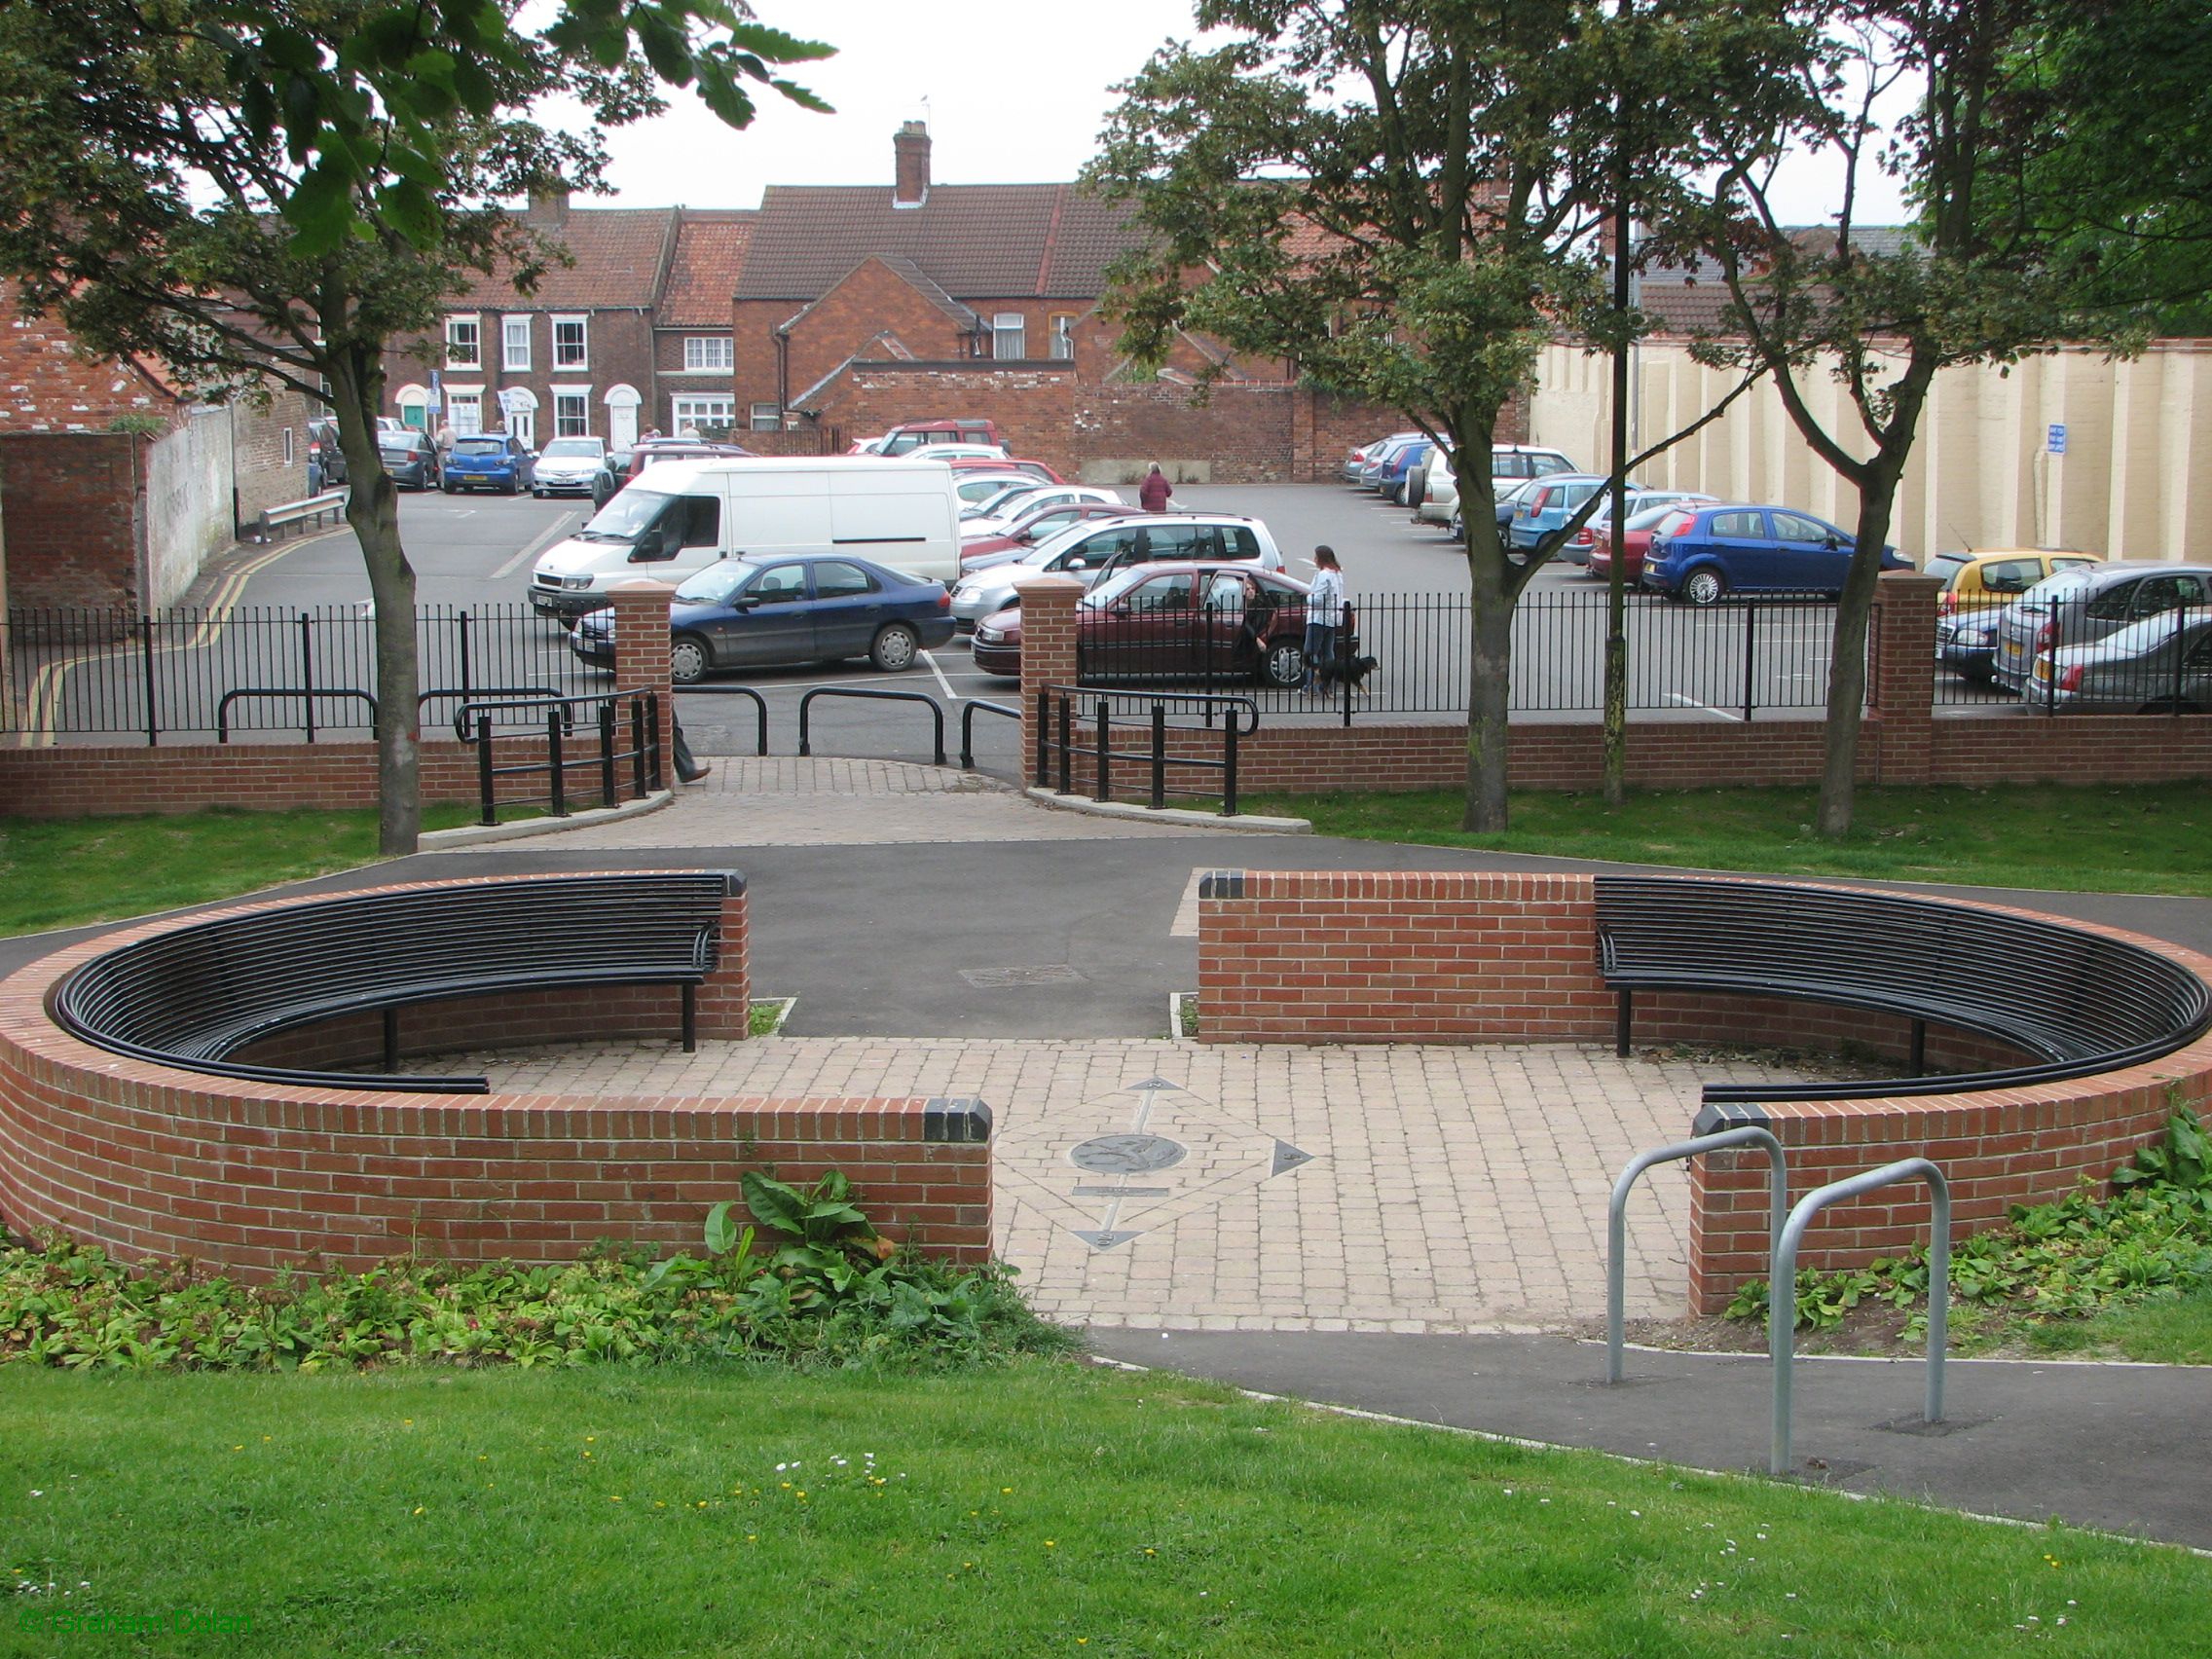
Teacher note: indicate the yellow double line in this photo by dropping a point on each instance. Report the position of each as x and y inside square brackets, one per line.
[42, 701]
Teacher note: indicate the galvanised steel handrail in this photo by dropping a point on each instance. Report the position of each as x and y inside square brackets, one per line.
[1782, 1287]
[1616, 1217]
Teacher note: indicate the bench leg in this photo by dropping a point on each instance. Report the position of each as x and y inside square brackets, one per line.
[391, 1039]
[1621, 1024]
[1920, 1048]
[690, 1020]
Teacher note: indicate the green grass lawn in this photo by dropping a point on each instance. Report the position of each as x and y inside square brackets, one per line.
[58, 872]
[1047, 1509]
[2148, 838]
[2170, 1331]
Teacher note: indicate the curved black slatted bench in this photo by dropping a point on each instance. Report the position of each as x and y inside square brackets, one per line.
[2080, 1001]
[194, 996]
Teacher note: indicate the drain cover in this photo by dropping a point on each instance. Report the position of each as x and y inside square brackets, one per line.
[1052, 974]
[1128, 1154]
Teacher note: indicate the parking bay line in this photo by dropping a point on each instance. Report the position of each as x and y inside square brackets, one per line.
[1688, 702]
[536, 547]
[943, 683]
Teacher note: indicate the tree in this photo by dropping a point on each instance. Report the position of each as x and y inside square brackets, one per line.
[271, 192]
[1403, 199]
[1976, 278]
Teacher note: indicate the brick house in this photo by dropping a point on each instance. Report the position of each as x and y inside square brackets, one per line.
[625, 340]
[118, 485]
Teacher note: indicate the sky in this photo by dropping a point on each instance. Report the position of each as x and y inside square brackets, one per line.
[1013, 92]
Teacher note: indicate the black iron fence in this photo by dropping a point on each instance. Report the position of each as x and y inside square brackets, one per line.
[595, 745]
[1098, 743]
[2069, 658]
[195, 676]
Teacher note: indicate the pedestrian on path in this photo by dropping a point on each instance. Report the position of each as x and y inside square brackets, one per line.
[1324, 605]
[1153, 494]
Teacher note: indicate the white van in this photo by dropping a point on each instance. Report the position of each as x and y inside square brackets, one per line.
[677, 517]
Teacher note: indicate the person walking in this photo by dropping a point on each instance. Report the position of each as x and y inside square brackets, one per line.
[1324, 609]
[1153, 494]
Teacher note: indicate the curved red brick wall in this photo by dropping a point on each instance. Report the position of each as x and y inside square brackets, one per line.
[1332, 956]
[155, 1161]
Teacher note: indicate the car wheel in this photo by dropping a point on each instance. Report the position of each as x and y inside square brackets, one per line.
[895, 648]
[448, 487]
[1704, 586]
[1282, 665]
[688, 659]
[536, 493]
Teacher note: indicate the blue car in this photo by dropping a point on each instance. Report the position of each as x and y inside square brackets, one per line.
[1703, 553]
[490, 461]
[1380, 457]
[1399, 467]
[781, 610]
[1542, 509]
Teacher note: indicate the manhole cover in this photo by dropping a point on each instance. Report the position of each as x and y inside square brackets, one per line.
[1128, 1154]
[1052, 974]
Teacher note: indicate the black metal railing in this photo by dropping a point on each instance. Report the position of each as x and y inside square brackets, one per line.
[611, 736]
[192, 676]
[2061, 658]
[1079, 723]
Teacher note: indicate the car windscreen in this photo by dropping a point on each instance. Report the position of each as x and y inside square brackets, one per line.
[625, 516]
[1116, 585]
[585, 449]
[1947, 566]
[480, 446]
[714, 584]
[1649, 517]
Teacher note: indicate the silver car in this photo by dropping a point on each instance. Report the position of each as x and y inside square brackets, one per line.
[2161, 665]
[1095, 550]
[2079, 607]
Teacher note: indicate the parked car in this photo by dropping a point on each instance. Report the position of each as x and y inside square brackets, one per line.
[995, 518]
[2161, 665]
[1554, 499]
[1644, 513]
[326, 462]
[1699, 554]
[1391, 478]
[410, 457]
[916, 434]
[567, 467]
[992, 454]
[2081, 606]
[1510, 467]
[778, 611]
[1033, 530]
[1005, 463]
[1357, 460]
[1977, 587]
[487, 460]
[1383, 457]
[1096, 552]
[1185, 620]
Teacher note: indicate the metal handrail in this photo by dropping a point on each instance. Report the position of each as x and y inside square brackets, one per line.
[223, 707]
[644, 752]
[1616, 1217]
[968, 712]
[1103, 752]
[486, 694]
[759, 705]
[1210, 699]
[805, 708]
[1782, 1287]
[463, 715]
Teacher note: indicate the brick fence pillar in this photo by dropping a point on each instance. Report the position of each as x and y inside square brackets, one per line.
[1900, 677]
[724, 999]
[1047, 650]
[641, 657]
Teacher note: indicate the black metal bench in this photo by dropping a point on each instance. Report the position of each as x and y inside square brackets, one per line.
[196, 995]
[2077, 1000]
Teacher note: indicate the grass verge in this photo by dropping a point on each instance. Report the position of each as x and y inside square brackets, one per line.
[2142, 838]
[1046, 1509]
[59, 873]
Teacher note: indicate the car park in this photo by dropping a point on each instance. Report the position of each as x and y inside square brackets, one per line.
[410, 459]
[1094, 552]
[774, 611]
[1701, 554]
[1644, 515]
[2159, 665]
[567, 467]
[1036, 527]
[2081, 606]
[1182, 620]
[1977, 587]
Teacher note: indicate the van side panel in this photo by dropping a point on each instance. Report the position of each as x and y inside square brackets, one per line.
[778, 512]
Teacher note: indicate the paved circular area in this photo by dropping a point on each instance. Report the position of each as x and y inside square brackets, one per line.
[1343, 1189]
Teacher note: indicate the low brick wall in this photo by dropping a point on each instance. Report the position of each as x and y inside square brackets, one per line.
[1457, 957]
[154, 1162]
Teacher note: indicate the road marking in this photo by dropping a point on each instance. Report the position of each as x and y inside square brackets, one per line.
[1681, 700]
[1185, 922]
[943, 683]
[558, 527]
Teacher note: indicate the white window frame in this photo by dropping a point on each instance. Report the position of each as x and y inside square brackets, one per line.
[583, 396]
[460, 398]
[288, 446]
[1010, 326]
[764, 418]
[473, 322]
[709, 353]
[701, 409]
[582, 360]
[510, 358]
[1060, 327]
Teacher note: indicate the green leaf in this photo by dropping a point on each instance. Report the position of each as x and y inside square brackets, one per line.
[773, 1203]
[722, 1231]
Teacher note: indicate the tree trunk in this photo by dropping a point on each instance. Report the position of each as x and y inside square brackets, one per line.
[1847, 662]
[1489, 665]
[373, 510]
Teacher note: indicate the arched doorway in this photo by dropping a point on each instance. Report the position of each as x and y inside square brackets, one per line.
[622, 402]
[520, 406]
[414, 405]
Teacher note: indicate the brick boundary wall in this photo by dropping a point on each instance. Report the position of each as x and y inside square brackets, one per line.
[1457, 957]
[152, 1162]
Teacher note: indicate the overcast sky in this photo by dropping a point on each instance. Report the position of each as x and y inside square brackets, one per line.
[1014, 93]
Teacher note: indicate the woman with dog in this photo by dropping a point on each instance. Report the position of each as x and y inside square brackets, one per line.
[1324, 609]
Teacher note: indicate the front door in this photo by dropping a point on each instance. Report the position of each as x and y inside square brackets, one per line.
[523, 423]
[621, 425]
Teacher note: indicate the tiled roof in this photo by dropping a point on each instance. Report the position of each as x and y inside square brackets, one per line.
[907, 272]
[702, 275]
[988, 241]
[619, 252]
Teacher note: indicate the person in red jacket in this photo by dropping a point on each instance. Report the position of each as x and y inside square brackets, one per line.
[1154, 492]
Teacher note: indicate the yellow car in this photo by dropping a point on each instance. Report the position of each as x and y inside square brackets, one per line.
[1977, 587]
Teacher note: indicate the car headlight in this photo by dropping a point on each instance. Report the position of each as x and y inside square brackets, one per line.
[576, 584]
[989, 636]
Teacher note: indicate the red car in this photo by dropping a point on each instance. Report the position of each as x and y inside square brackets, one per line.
[977, 462]
[1174, 621]
[1640, 523]
[1031, 528]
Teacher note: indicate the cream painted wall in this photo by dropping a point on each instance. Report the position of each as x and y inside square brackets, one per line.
[2135, 481]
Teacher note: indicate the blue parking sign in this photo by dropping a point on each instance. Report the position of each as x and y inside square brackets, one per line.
[2056, 443]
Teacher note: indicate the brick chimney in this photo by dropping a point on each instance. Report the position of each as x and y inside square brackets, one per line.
[548, 203]
[910, 145]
